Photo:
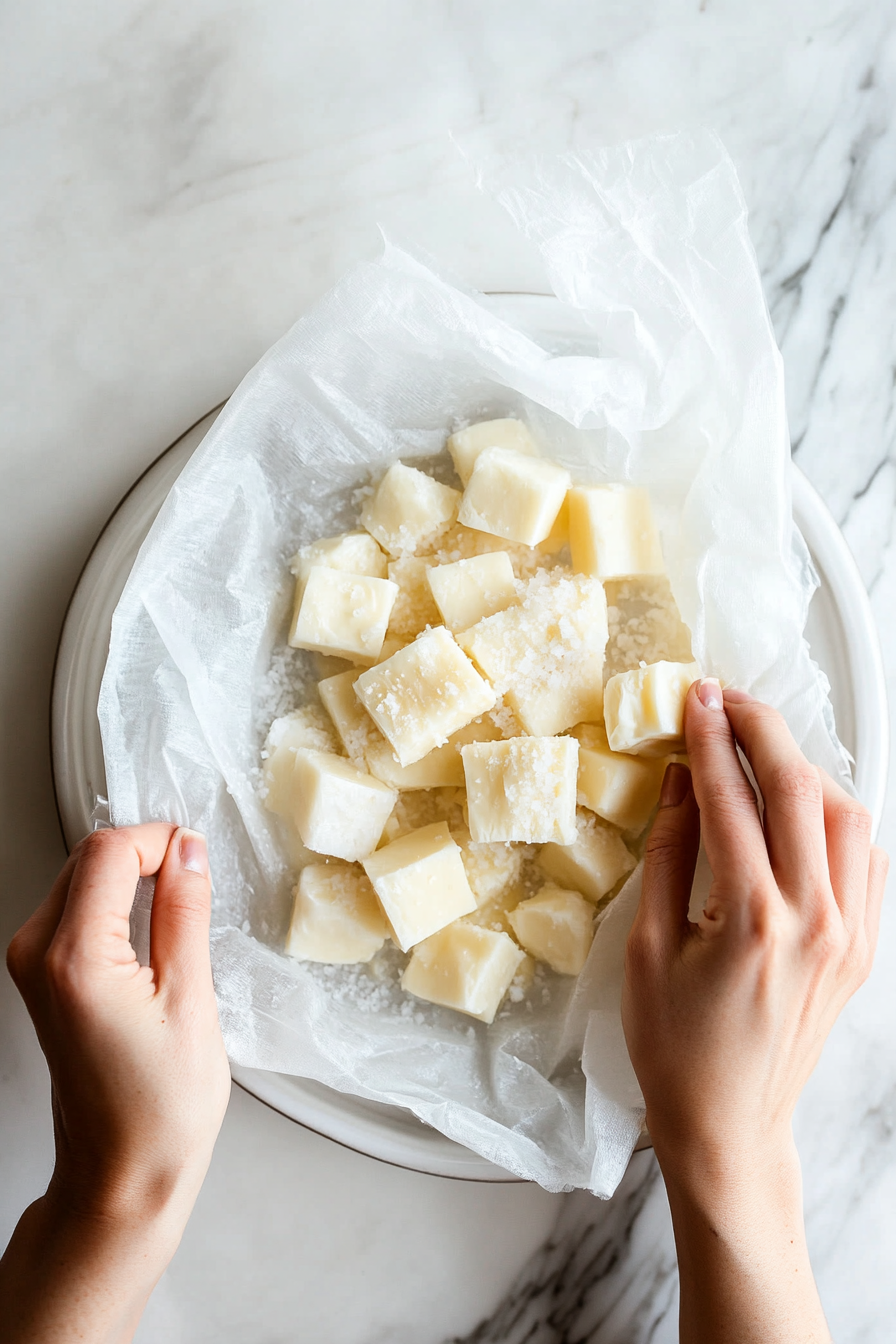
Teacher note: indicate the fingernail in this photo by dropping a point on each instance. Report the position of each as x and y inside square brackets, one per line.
[676, 785]
[193, 852]
[709, 693]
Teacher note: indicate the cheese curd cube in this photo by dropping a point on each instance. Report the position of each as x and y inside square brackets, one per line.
[546, 655]
[644, 708]
[423, 694]
[353, 724]
[612, 534]
[407, 508]
[336, 917]
[555, 926]
[558, 537]
[469, 590]
[414, 607]
[513, 496]
[492, 869]
[593, 864]
[522, 789]
[437, 769]
[421, 883]
[338, 809]
[467, 444]
[464, 967]
[620, 788]
[305, 727]
[354, 552]
[343, 614]
[440, 768]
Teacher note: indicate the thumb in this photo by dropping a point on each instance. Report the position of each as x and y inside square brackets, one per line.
[181, 910]
[671, 857]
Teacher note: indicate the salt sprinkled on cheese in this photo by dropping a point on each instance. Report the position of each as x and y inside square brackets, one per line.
[523, 789]
[414, 607]
[408, 508]
[545, 655]
[423, 694]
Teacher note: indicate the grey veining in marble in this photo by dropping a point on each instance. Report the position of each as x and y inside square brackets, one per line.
[180, 180]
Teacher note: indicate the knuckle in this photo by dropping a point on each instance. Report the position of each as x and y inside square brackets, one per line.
[662, 847]
[99, 843]
[796, 784]
[854, 820]
[826, 935]
[67, 976]
[17, 960]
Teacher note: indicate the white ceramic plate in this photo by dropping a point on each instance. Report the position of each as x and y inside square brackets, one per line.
[841, 634]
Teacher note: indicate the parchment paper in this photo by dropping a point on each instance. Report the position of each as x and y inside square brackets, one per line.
[676, 385]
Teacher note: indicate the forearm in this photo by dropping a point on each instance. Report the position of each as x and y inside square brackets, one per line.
[66, 1277]
[743, 1261]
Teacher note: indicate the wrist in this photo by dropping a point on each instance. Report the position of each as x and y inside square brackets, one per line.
[746, 1195]
[140, 1208]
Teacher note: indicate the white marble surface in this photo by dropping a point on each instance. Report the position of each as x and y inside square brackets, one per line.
[179, 181]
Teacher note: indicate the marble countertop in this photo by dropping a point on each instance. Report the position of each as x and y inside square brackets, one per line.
[180, 181]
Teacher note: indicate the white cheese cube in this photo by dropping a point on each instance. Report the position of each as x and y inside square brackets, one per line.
[464, 967]
[305, 727]
[557, 927]
[408, 508]
[423, 694]
[338, 809]
[593, 864]
[354, 725]
[644, 708]
[558, 537]
[469, 590]
[336, 917]
[467, 444]
[439, 768]
[421, 883]
[414, 607]
[354, 552]
[522, 789]
[620, 788]
[492, 869]
[343, 614]
[546, 655]
[612, 534]
[513, 496]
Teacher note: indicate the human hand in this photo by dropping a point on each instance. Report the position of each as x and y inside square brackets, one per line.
[725, 1018]
[139, 1074]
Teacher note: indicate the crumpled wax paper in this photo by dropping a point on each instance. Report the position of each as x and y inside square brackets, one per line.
[674, 383]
